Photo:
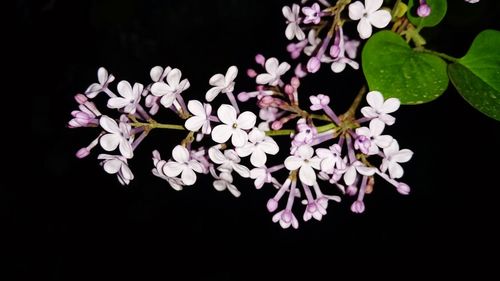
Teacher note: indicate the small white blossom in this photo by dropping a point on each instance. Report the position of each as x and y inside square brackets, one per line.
[228, 161]
[129, 99]
[169, 91]
[305, 162]
[221, 83]
[392, 157]
[225, 181]
[117, 164]
[355, 168]
[274, 71]
[157, 73]
[233, 126]
[260, 175]
[293, 19]
[175, 183]
[331, 159]
[373, 135]
[184, 165]
[104, 79]
[368, 15]
[286, 219]
[378, 108]
[117, 136]
[200, 119]
[259, 145]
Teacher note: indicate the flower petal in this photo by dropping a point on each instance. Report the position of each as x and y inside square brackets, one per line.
[293, 162]
[287, 12]
[269, 146]
[380, 19]
[102, 75]
[307, 175]
[126, 172]
[305, 151]
[404, 155]
[180, 154]
[369, 112]
[222, 133]
[241, 170]
[156, 73]
[272, 65]
[231, 74]
[283, 68]
[126, 148]
[245, 150]
[338, 66]
[375, 100]
[395, 170]
[188, 177]
[173, 169]
[246, 120]
[376, 127]
[390, 105]
[194, 123]
[256, 135]
[174, 77]
[112, 166]
[109, 142]
[196, 108]
[258, 158]
[160, 88]
[118, 102]
[167, 100]
[392, 149]
[217, 80]
[239, 138]
[124, 89]
[356, 10]
[216, 155]
[364, 28]
[264, 78]
[109, 125]
[383, 141]
[227, 114]
[373, 5]
[366, 171]
[350, 175]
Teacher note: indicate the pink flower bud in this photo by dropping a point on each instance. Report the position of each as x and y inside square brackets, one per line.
[260, 59]
[289, 89]
[358, 207]
[295, 82]
[313, 65]
[277, 125]
[403, 188]
[272, 205]
[299, 71]
[81, 99]
[251, 73]
[243, 96]
[334, 51]
[423, 10]
[82, 153]
[351, 190]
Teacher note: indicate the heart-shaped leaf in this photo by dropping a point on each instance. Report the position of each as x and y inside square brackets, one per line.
[477, 75]
[438, 11]
[393, 68]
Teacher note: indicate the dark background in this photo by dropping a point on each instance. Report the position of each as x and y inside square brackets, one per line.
[76, 222]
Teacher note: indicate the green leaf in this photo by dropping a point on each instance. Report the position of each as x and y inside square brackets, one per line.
[477, 75]
[393, 68]
[438, 10]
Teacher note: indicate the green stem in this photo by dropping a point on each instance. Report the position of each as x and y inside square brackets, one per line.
[441, 55]
[155, 125]
[326, 127]
[395, 8]
[288, 132]
[322, 117]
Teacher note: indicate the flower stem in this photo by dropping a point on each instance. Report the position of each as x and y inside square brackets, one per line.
[441, 55]
[154, 125]
[355, 104]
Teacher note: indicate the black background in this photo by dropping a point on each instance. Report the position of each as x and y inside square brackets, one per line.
[77, 222]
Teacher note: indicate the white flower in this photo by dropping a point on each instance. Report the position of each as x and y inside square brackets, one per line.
[314, 42]
[168, 91]
[331, 159]
[260, 175]
[117, 164]
[200, 119]
[228, 161]
[175, 183]
[130, 97]
[368, 15]
[305, 162]
[183, 165]
[104, 79]
[259, 145]
[393, 156]
[354, 169]
[472, 1]
[221, 83]
[117, 136]
[379, 108]
[293, 20]
[225, 181]
[157, 73]
[274, 71]
[373, 134]
[233, 127]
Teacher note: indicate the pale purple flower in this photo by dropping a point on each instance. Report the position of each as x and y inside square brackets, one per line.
[268, 113]
[116, 136]
[305, 163]
[378, 108]
[221, 83]
[357, 168]
[368, 15]
[374, 137]
[296, 48]
[169, 91]
[104, 79]
[351, 47]
[274, 71]
[84, 117]
[228, 161]
[258, 146]
[286, 218]
[129, 99]
[305, 135]
[233, 126]
[392, 157]
[293, 19]
[183, 165]
[318, 102]
[225, 181]
[261, 176]
[158, 170]
[423, 9]
[117, 164]
[200, 119]
[358, 207]
[313, 41]
[313, 14]
[331, 159]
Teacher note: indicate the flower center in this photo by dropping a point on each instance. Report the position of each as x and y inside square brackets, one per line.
[235, 125]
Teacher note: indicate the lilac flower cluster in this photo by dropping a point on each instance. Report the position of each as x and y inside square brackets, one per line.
[331, 155]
